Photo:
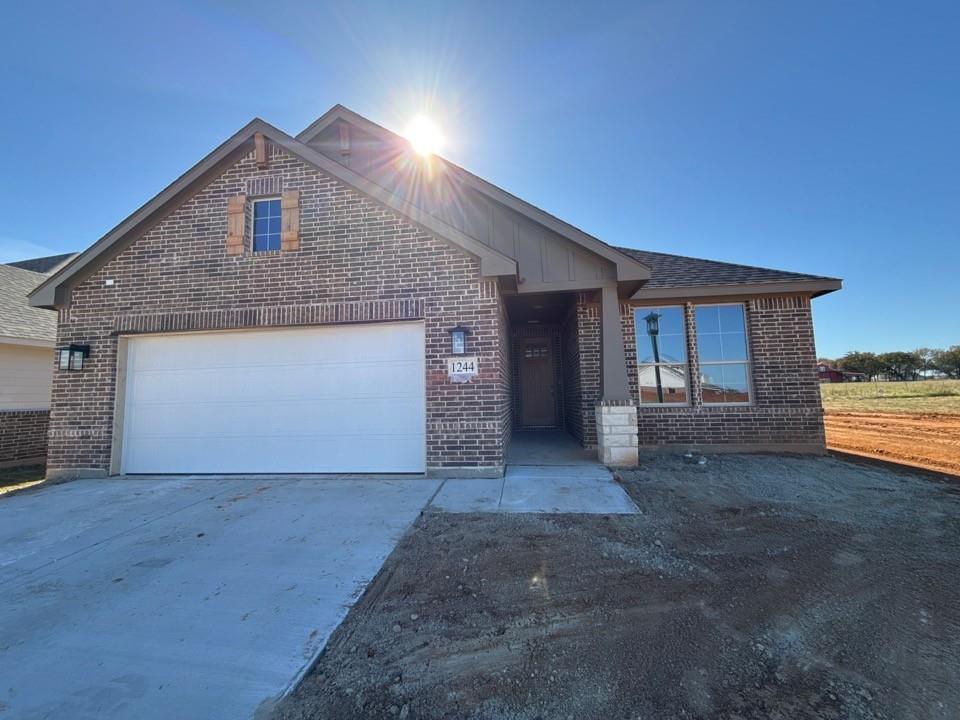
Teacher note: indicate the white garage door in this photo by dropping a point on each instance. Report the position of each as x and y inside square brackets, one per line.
[304, 400]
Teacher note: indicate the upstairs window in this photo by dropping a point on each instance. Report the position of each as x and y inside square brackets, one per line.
[722, 349]
[266, 225]
[661, 355]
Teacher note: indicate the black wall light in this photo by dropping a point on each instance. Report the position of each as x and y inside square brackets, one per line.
[458, 340]
[71, 357]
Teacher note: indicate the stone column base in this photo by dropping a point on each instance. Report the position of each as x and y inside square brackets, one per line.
[617, 434]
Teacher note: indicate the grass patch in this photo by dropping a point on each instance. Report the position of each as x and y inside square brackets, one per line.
[923, 396]
[16, 478]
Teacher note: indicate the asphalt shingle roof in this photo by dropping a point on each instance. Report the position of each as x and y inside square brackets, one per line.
[17, 318]
[43, 264]
[681, 271]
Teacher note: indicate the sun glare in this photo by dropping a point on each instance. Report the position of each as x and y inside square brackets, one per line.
[424, 135]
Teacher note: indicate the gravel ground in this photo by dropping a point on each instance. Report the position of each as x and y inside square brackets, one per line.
[749, 587]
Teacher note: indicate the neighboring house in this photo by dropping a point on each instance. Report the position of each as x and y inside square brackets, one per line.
[27, 336]
[826, 373]
[288, 305]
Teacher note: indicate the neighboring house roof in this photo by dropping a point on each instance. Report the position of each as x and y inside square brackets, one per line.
[697, 276]
[18, 320]
[45, 265]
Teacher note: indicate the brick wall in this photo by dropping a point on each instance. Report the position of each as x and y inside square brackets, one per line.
[785, 404]
[23, 435]
[588, 333]
[506, 385]
[572, 398]
[356, 261]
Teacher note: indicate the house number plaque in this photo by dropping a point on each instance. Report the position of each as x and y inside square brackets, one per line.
[461, 369]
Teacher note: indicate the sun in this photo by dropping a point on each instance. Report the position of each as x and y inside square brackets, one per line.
[424, 135]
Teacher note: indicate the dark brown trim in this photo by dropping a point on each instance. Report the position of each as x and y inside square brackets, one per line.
[814, 288]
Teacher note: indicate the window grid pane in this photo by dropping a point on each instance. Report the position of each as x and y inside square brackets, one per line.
[722, 349]
[266, 225]
[661, 358]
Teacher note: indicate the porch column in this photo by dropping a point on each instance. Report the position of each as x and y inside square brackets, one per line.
[616, 411]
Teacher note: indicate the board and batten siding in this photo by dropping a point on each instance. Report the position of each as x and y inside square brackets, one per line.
[26, 376]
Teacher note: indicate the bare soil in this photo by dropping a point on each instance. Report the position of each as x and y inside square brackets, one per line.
[923, 440]
[749, 587]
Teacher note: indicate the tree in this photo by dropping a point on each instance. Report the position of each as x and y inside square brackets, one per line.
[899, 365]
[948, 361]
[861, 362]
[925, 358]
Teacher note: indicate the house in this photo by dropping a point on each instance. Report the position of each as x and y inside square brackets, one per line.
[826, 373]
[334, 302]
[27, 336]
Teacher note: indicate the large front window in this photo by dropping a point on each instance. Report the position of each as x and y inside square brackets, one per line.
[661, 355]
[722, 349]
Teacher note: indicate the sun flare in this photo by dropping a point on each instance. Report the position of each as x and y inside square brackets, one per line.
[424, 135]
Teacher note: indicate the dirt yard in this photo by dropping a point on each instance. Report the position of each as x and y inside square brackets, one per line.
[927, 441]
[749, 587]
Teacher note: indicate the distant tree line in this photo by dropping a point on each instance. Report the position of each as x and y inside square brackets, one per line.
[902, 365]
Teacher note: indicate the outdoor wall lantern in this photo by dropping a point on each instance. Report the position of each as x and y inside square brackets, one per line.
[458, 340]
[71, 357]
[653, 329]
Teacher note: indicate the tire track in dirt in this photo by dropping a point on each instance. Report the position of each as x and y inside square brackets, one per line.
[927, 441]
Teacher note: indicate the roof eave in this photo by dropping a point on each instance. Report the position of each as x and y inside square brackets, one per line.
[814, 288]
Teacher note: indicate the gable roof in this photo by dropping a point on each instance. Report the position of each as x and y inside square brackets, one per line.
[44, 265]
[697, 276]
[18, 320]
[628, 268]
[54, 291]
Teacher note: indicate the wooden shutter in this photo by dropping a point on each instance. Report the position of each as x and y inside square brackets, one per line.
[236, 223]
[290, 220]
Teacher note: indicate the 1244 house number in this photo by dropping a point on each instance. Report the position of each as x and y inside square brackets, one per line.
[462, 366]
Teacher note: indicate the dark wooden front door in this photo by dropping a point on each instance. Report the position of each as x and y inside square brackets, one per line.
[538, 407]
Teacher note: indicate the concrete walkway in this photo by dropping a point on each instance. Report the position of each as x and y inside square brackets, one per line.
[538, 489]
[182, 597]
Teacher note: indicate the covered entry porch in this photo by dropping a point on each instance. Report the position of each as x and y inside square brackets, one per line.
[571, 400]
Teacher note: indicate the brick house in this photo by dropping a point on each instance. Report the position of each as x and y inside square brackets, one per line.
[287, 305]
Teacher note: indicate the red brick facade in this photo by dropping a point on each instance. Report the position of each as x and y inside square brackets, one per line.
[23, 435]
[356, 261]
[785, 408]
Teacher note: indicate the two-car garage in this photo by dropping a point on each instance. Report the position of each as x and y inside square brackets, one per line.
[331, 399]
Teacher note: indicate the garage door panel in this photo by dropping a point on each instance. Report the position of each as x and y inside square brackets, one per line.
[316, 381]
[333, 399]
[248, 418]
[384, 343]
[279, 455]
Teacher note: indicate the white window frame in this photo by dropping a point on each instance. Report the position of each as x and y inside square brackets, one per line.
[637, 310]
[253, 225]
[748, 362]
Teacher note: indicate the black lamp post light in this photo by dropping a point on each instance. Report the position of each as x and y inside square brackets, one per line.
[71, 357]
[458, 340]
[653, 329]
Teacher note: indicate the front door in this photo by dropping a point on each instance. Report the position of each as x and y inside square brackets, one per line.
[538, 406]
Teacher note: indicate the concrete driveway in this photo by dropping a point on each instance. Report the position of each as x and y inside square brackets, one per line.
[182, 597]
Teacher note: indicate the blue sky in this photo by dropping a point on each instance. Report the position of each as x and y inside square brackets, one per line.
[811, 136]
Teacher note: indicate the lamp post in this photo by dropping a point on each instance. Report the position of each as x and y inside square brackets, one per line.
[653, 329]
